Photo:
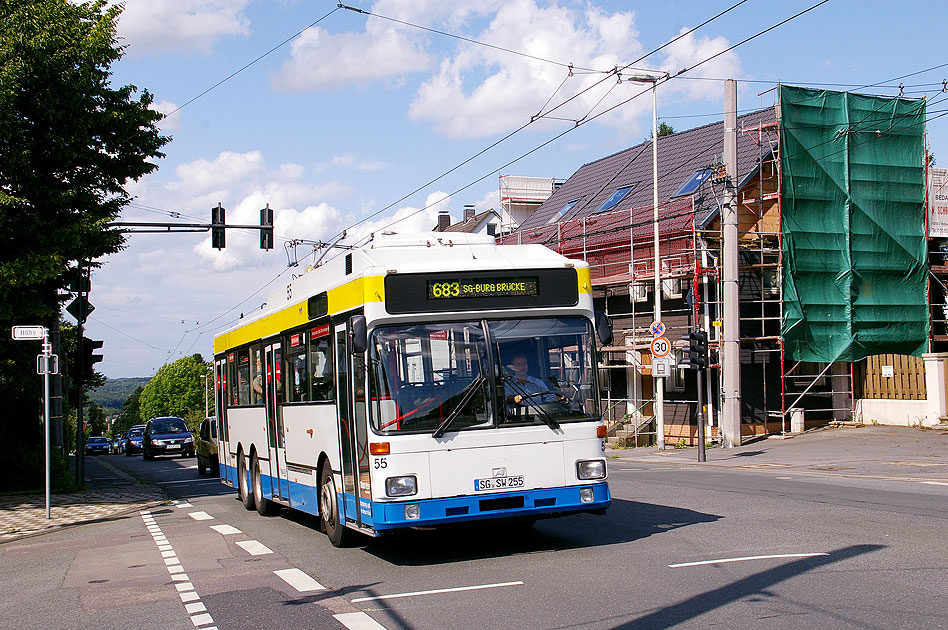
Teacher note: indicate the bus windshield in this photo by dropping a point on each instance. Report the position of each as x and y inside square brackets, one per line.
[482, 374]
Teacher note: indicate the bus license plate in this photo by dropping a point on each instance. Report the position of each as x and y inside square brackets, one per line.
[498, 483]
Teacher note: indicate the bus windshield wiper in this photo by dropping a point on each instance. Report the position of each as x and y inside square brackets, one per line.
[466, 397]
[530, 400]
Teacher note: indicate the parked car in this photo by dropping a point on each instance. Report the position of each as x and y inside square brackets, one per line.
[133, 440]
[97, 445]
[168, 435]
[205, 447]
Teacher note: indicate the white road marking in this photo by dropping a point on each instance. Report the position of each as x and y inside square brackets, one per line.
[201, 516]
[165, 548]
[253, 547]
[439, 590]
[189, 596]
[179, 577]
[182, 504]
[225, 529]
[184, 586]
[170, 561]
[168, 554]
[784, 478]
[185, 481]
[358, 621]
[936, 483]
[196, 607]
[175, 568]
[299, 580]
[202, 619]
[742, 559]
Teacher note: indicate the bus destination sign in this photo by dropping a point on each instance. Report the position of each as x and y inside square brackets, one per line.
[447, 289]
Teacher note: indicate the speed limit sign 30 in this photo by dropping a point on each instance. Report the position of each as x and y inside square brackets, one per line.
[660, 347]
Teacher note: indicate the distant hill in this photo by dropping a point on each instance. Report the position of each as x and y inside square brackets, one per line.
[111, 395]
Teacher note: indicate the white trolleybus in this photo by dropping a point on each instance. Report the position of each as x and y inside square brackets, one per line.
[418, 380]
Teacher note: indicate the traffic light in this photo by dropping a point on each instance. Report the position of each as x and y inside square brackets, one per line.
[697, 349]
[218, 235]
[266, 228]
[88, 358]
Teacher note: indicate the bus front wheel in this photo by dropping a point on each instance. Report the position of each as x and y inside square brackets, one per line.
[242, 490]
[336, 530]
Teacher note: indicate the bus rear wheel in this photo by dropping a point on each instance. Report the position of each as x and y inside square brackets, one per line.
[265, 507]
[242, 490]
[335, 529]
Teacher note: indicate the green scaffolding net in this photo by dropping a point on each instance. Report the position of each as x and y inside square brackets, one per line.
[855, 271]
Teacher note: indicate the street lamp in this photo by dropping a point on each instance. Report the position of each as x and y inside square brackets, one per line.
[204, 378]
[643, 77]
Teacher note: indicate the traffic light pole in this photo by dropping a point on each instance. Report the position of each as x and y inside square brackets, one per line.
[80, 368]
[700, 376]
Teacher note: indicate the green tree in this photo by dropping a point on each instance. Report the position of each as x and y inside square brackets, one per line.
[95, 420]
[69, 142]
[664, 129]
[177, 389]
[129, 415]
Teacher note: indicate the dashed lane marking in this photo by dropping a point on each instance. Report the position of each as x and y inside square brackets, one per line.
[746, 558]
[253, 547]
[299, 580]
[438, 591]
[225, 529]
[358, 621]
[193, 606]
[201, 516]
[936, 483]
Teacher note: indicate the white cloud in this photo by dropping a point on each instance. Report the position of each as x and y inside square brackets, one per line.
[348, 160]
[690, 50]
[319, 59]
[151, 26]
[171, 122]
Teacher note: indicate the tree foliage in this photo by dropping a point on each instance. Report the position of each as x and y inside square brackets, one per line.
[129, 416]
[177, 389]
[69, 142]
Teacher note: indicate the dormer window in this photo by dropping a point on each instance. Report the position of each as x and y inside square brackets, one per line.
[562, 211]
[614, 199]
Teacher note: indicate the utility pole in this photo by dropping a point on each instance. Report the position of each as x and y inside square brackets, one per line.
[731, 348]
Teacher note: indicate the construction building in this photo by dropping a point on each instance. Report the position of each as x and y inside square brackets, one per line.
[833, 266]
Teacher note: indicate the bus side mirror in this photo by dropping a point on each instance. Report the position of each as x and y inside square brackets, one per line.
[603, 328]
[358, 339]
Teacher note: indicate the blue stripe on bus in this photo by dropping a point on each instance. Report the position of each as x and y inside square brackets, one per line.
[468, 508]
[389, 516]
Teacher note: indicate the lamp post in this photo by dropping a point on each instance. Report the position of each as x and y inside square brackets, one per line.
[659, 383]
[204, 378]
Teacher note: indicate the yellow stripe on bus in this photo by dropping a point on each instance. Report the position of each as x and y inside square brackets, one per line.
[583, 280]
[348, 296]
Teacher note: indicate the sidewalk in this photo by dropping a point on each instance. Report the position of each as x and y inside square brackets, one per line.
[109, 493]
[881, 452]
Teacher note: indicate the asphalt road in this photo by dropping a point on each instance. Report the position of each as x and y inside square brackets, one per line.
[682, 546]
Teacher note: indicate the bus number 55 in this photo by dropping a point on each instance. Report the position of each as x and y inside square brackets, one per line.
[380, 463]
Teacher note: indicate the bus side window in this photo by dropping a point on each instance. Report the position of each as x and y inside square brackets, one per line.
[320, 361]
[243, 377]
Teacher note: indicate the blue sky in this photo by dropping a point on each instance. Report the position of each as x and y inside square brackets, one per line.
[335, 127]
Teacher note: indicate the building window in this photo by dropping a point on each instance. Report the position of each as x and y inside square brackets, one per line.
[562, 211]
[614, 199]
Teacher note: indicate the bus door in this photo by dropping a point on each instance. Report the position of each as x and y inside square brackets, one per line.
[353, 440]
[224, 458]
[279, 483]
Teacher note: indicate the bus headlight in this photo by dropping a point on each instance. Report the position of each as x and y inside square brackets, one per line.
[591, 469]
[401, 486]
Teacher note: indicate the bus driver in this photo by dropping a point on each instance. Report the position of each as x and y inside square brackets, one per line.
[522, 385]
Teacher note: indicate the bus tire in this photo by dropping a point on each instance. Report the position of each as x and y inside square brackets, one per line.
[329, 516]
[265, 507]
[246, 497]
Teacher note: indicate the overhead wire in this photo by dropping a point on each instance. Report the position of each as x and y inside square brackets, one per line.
[606, 111]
